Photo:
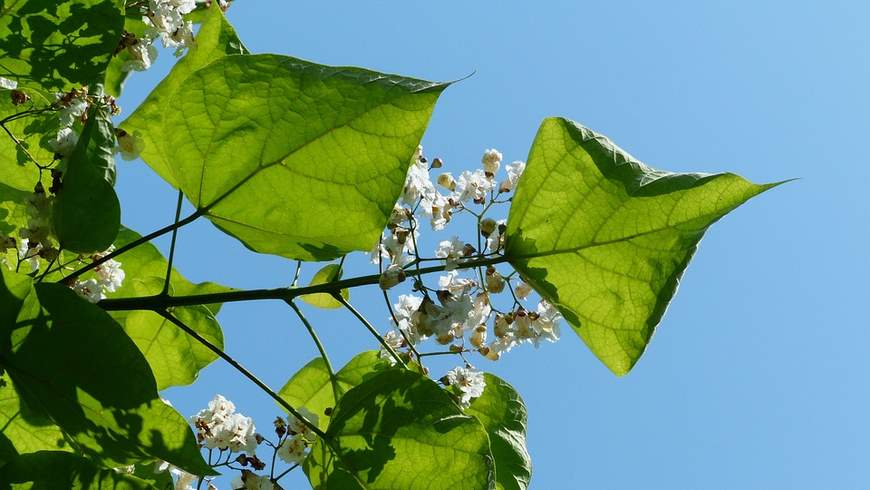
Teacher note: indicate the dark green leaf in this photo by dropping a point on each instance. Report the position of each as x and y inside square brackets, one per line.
[605, 238]
[329, 273]
[290, 157]
[23, 429]
[58, 45]
[215, 39]
[87, 213]
[70, 360]
[399, 429]
[59, 470]
[503, 413]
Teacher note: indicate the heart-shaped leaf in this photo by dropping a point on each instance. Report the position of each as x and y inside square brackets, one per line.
[605, 238]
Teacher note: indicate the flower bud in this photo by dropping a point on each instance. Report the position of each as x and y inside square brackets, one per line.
[494, 281]
[479, 336]
[447, 181]
[392, 276]
[522, 290]
[437, 163]
[487, 226]
[455, 348]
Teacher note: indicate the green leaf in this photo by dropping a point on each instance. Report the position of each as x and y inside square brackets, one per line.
[310, 386]
[23, 429]
[399, 429]
[87, 213]
[17, 180]
[605, 238]
[52, 469]
[174, 357]
[290, 157]
[58, 45]
[215, 39]
[329, 273]
[108, 405]
[503, 413]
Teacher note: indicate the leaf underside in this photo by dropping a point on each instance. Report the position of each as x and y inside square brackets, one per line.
[606, 238]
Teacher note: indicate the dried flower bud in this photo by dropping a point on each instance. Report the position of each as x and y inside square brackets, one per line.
[468, 250]
[437, 163]
[18, 97]
[444, 338]
[455, 348]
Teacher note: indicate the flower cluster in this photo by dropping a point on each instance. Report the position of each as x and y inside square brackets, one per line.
[294, 437]
[165, 21]
[460, 309]
[108, 277]
[220, 427]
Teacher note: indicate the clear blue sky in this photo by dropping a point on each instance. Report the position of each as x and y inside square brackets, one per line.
[757, 377]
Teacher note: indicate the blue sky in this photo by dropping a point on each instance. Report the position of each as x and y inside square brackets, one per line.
[757, 376]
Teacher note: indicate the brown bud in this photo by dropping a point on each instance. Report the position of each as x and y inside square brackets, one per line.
[18, 97]
[437, 163]
[487, 226]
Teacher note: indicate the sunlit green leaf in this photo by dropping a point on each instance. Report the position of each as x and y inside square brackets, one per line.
[58, 45]
[87, 214]
[291, 157]
[606, 238]
[174, 357]
[399, 429]
[503, 413]
[71, 361]
[52, 469]
[310, 386]
[329, 273]
[115, 73]
[215, 39]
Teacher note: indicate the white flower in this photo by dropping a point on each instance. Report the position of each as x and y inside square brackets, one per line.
[65, 141]
[220, 427]
[89, 290]
[491, 161]
[469, 381]
[514, 171]
[296, 426]
[110, 276]
[8, 84]
[407, 316]
[394, 339]
[452, 251]
[73, 110]
[130, 145]
[417, 183]
[472, 185]
[292, 450]
[142, 55]
[545, 322]
[454, 283]
[438, 208]
[251, 481]
[183, 6]
[183, 479]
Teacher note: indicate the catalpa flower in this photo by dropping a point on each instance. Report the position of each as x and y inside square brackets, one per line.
[469, 381]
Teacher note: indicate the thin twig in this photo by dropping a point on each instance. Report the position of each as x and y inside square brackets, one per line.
[336, 390]
[232, 362]
[172, 243]
[370, 328]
